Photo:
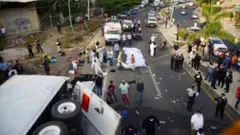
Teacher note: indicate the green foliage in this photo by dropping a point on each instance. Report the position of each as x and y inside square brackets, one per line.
[3, 42]
[213, 27]
[182, 33]
[213, 9]
[200, 2]
[116, 6]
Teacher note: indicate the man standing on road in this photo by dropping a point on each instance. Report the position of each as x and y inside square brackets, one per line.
[191, 95]
[222, 76]
[140, 88]
[124, 88]
[229, 80]
[46, 65]
[149, 124]
[30, 51]
[221, 102]
[214, 77]
[197, 122]
[130, 130]
[111, 88]
[98, 85]
[152, 48]
[172, 60]
[132, 62]
[124, 38]
[198, 80]
[129, 38]
[116, 49]
[197, 61]
[59, 28]
[181, 61]
[192, 57]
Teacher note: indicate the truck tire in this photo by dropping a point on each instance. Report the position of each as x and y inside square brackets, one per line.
[65, 110]
[52, 127]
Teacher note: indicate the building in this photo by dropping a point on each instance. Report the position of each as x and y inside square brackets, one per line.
[19, 17]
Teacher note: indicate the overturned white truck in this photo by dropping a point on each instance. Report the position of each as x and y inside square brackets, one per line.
[112, 32]
[47, 105]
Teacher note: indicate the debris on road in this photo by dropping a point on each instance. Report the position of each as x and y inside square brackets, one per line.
[171, 76]
[168, 117]
[184, 73]
[157, 97]
[160, 78]
[171, 120]
[145, 71]
[166, 90]
[162, 122]
[213, 127]
[153, 75]
[137, 112]
[158, 82]
[173, 101]
[177, 99]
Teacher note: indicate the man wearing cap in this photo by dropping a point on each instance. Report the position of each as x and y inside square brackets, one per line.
[197, 122]
[124, 89]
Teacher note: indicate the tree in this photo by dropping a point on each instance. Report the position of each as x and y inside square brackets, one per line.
[213, 27]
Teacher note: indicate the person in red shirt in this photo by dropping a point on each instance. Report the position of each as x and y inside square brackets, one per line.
[238, 98]
[111, 90]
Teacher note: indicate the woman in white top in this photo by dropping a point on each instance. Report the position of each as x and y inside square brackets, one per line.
[110, 56]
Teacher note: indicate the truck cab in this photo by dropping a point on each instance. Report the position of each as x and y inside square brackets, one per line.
[112, 33]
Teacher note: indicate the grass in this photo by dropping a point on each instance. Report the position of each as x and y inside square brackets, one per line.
[164, 13]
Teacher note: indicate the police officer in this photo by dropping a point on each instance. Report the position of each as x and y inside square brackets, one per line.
[181, 61]
[172, 61]
[222, 75]
[221, 102]
[176, 63]
[198, 80]
[229, 80]
[149, 124]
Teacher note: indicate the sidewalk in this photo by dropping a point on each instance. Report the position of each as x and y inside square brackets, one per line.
[170, 37]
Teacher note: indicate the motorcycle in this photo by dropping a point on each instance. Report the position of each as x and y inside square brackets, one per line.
[137, 36]
[163, 45]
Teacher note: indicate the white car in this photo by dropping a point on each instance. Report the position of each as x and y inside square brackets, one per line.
[191, 4]
[183, 6]
[142, 5]
[218, 46]
[152, 22]
[193, 29]
[183, 13]
[194, 16]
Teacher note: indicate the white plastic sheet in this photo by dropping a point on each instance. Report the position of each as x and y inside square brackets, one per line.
[139, 59]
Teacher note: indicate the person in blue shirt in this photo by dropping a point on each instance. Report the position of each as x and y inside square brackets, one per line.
[4, 67]
[130, 130]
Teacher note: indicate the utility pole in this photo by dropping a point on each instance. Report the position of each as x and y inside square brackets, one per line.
[70, 15]
[88, 10]
[172, 11]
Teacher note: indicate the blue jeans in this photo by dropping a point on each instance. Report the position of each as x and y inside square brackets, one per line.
[116, 53]
[238, 100]
[111, 61]
[140, 97]
[209, 74]
[213, 83]
[98, 90]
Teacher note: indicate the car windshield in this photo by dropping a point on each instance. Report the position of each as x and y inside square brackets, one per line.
[221, 49]
[112, 32]
[152, 19]
[217, 41]
[128, 23]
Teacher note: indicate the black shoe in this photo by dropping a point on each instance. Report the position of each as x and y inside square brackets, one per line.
[226, 91]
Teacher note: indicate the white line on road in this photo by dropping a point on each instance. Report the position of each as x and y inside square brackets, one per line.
[154, 82]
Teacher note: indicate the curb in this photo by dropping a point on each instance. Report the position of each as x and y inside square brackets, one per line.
[229, 111]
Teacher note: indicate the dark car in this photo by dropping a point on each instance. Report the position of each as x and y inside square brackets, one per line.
[133, 11]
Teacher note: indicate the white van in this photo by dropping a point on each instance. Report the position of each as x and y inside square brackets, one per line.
[112, 32]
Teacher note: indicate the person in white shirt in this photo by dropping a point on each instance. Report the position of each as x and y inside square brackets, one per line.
[124, 38]
[153, 38]
[192, 57]
[3, 32]
[129, 38]
[97, 69]
[139, 22]
[191, 95]
[197, 122]
[116, 49]
[152, 49]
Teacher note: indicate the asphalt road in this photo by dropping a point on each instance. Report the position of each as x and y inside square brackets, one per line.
[170, 108]
[186, 21]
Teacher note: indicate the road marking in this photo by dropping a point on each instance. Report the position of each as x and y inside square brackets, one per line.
[211, 97]
[155, 82]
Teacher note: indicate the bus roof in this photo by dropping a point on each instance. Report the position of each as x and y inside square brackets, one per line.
[23, 98]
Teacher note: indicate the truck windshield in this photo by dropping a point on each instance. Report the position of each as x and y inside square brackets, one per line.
[112, 32]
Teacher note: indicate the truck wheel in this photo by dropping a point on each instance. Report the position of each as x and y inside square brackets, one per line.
[51, 128]
[65, 110]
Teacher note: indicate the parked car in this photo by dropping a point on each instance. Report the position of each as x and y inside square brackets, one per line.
[122, 16]
[193, 29]
[183, 12]
[194, 16]
[133, 11]
[218, 46]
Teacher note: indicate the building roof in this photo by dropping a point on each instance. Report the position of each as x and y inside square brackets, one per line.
[20, 1]
[23, 98]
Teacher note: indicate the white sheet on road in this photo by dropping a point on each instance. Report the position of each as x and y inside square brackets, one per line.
[139, 59]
